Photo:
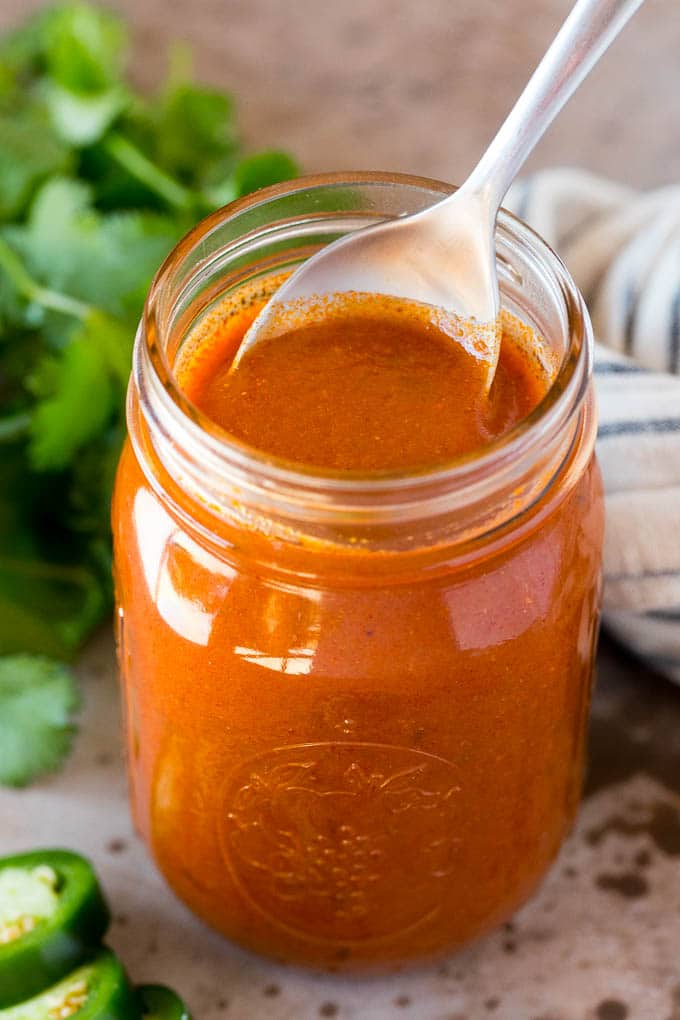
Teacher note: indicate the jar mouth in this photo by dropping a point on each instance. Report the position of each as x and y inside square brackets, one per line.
[232, 458]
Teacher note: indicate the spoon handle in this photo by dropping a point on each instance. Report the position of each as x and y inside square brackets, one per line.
[589, 29]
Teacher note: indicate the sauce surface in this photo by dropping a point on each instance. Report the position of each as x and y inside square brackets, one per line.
[376, 386]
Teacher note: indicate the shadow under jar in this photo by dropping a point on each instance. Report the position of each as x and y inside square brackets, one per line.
[355, 705]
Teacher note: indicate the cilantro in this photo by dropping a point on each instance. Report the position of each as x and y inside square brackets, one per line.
[193, 134]
[47, 607]
[79, 409]
[37, 700]
[85, 48]
[30, 151]
[97, 183]
[82, 119]
[262, 169]
[21, 50]
[54, 584]
[105, 261]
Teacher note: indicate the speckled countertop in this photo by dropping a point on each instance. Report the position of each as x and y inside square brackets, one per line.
[396, 85]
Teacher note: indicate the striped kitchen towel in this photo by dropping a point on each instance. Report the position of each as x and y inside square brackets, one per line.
[623, 249]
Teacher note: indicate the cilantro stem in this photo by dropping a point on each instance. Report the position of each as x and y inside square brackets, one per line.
[14, 427]
[33, 291]
[141, 167]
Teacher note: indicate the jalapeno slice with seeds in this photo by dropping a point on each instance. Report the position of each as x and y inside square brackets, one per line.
[160, 1003]
[52, 915]
[98, 990]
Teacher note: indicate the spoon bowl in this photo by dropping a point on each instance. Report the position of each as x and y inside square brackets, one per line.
[445, 256]
[434, 259]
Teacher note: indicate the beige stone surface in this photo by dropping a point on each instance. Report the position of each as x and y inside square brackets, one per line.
[417, 87]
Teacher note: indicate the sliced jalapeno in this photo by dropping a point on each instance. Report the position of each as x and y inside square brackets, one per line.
[98, 990]
[159, 1003]
[52, 915]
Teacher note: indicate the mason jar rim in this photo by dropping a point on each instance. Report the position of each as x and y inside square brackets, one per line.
[342, 492]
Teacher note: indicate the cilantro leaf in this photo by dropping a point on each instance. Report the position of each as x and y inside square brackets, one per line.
[47, 608]
[82, 403]
[114, 342]
[97, 183]
[258, 170]
[22, 50]
[195, 134]
[37, 700]
[12, 313]
[55, 208]
[83, 119]
[188, 131]
[262, 169]
[29, 152]
[92, 478]
[85, 48]
[104, 260]
[52, 589]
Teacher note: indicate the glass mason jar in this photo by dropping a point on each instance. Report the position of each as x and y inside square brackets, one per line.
[355, 704]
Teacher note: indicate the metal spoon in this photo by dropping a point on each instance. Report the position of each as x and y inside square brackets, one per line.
[445, 255]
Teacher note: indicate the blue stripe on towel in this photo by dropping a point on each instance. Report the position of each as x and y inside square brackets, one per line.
[643, 575]
[674, 344]
[670, 615]
[616, 367]
[630, 298]
[657, 426]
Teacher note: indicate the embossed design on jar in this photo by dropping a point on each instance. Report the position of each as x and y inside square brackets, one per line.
[308, 833]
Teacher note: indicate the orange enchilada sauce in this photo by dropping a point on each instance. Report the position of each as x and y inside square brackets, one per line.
[342, 758]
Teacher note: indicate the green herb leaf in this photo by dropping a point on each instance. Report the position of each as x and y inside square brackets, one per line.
[82, 404]
[251, 173]
[97, 183]
[53, 588]
[106, 261]
[195, 134]
[262, 169]
[37, 700]
[91, 485]
[30, 151]
[22, 50]
[85, 48]
[83, 119]
[48, 608]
